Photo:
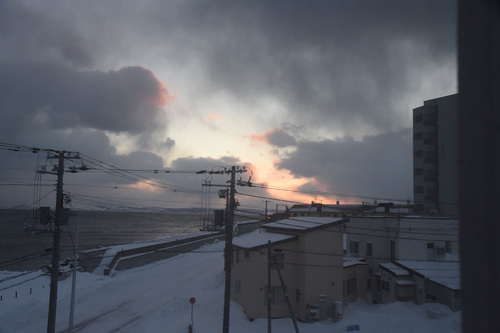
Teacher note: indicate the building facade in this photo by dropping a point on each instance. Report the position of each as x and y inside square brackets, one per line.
[309, 255]
[435, 156]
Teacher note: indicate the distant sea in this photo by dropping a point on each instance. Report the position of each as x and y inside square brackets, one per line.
[21, 250]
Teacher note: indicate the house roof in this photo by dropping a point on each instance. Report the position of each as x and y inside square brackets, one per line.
[445, 273]
[394, 269]
[353, 261]
[260, 238]
[304, 223]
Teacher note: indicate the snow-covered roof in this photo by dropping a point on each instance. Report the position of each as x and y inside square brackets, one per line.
[445, 273]
[352, 261]
[303, 223]
[394, 269]
[258, 238]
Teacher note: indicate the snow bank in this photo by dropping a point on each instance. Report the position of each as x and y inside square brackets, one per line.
[155, 298]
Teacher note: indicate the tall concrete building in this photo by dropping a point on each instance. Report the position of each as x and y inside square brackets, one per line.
[435, 156]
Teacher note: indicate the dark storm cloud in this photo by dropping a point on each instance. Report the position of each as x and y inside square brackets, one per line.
[378, 166]
[279, 138]
[28, 35]
[127, 100]
[346, 63]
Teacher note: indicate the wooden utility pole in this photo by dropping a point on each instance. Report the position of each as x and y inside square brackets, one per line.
[266, 201]
[268, 296]
[228, 251]
[54, 275]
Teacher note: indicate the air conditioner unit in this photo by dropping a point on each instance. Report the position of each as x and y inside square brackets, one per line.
[313, 312]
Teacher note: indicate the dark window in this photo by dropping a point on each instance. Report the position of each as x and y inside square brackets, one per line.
[386, 286]
[419, 118]
[418, 153]
[354, 247]
[418, 136]
[418, 171]
[419, 189]
[369, 249]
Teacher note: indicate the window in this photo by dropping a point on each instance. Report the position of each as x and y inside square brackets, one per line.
[386, 286]
[430, 191]
[430, 297]
[280, 260]
[419, 189]
[297, 295]
[369, 249]
[419, 118]
[418, 171]
[429, 137]
[277, 295]
[418, 136]
[353, 247]
[448, 246]
[418, 153]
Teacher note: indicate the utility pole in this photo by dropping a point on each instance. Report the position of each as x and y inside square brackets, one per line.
[228, 251]
[266, 201]
[269, 267]
[54, 276]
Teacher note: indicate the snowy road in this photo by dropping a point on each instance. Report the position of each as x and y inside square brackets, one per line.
[155, 298]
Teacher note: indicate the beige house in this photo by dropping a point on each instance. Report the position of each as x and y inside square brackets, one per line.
[309, 254]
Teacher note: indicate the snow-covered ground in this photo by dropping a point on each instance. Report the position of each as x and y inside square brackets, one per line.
[155, 298]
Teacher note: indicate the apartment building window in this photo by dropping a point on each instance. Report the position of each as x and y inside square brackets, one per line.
[430, 156]
[277, 295]
[354, 247]
[429, 137]
[418, 171]
[430, 192]
[386, 286]
[418, 153]
[418, 136]
[419, 189]
[369, 249]
[430, 175]
[419, 118]
[430, 119]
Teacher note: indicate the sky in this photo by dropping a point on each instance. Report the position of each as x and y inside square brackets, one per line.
[315, 98]
[139, 300]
